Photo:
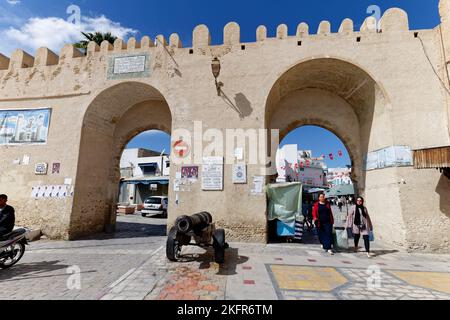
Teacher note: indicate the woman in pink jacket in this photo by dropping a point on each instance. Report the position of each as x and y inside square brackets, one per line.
[360, 223]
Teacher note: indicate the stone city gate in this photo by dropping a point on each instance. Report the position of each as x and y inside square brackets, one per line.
[375, 89]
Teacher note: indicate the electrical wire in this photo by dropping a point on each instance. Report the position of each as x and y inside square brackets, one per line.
[432, 66]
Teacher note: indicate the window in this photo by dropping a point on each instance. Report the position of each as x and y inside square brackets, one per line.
[149, 169]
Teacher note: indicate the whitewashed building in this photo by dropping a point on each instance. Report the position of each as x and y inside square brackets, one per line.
[295, 165]
[144, 173]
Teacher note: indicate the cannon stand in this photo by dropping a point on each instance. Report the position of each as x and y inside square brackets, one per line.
[205, 238]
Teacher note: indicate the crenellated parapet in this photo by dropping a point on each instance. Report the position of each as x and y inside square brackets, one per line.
[393, 21]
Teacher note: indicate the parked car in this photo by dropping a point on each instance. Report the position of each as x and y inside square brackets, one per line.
[155, 206]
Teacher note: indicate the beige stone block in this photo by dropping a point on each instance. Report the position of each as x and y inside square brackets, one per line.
[232, 34]
[119, 45]
[302, 30]
[147, 42]
[132, 44]
[4, 62]
[45, 57]
[394, 20]
[174, 41]
[93, 47]
[201, 36]
[21, 59]
[282, 31]
[346, 26]
[106, 46]
[324, 27]
[69, 51]
[370, 24]
[261, 33]
[160, 40]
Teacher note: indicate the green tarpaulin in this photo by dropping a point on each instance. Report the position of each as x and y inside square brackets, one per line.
[341, 190]
[285, 202]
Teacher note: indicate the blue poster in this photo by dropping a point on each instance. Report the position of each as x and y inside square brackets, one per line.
[24, 126]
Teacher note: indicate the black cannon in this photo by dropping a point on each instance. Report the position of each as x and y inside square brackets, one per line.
[199, 226]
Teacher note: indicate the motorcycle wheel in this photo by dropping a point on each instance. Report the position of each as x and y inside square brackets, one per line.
[18, 250]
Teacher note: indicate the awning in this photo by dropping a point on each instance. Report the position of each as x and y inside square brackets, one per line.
[433, 158]
[341, 190]
[147, 182]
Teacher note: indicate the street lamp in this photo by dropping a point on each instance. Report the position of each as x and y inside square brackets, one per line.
[216, 67]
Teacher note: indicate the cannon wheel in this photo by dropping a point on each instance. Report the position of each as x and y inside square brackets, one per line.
[173, 248]
[219, 246]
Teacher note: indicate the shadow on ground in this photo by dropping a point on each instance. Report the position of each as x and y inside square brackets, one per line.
[206, 260]
[126, 230]
[36, 270]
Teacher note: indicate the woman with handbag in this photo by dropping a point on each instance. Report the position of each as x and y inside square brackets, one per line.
[360, 224]
[324, 221]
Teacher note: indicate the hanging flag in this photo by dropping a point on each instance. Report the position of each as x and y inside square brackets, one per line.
[331, 156]
[340, 153]
[308, 163]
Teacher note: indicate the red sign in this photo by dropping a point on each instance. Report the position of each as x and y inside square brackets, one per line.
[181, 148]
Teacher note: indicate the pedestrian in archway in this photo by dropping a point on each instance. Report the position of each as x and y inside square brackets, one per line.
[340, 204]
[360, 223]
[324, 221]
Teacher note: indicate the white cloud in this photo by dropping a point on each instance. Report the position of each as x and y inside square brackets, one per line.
[13, 2]
[54, 33]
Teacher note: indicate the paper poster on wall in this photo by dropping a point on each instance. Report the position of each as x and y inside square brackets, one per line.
[56, 168]
[189, 173]
[176, 185]
[26, 160]
[212, 173]
[240, 174]
[396, 156]
[24, 126]
[258, 185]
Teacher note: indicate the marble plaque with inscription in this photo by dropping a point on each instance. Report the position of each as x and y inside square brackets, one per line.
[129, 66]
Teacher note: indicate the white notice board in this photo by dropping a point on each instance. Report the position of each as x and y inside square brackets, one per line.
[212, 173]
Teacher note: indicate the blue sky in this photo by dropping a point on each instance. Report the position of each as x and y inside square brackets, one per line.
[30, 24]
[33, 23]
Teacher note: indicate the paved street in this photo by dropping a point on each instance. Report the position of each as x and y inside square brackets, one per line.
[43, 272]
[132, 266]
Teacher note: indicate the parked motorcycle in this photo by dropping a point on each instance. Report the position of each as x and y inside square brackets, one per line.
[12, 248]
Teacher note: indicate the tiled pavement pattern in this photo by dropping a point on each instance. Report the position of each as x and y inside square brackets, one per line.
[132, 266]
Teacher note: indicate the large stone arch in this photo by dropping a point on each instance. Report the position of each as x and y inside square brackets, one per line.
[342, 97]
[112, 119]
[337, 95]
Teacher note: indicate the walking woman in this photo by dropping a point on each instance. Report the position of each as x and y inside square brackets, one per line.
[360, 223]
[324, 220]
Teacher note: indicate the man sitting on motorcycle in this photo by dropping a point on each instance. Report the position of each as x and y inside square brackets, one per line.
[7, 216]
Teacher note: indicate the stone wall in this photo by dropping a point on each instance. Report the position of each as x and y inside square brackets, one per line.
[382, 87]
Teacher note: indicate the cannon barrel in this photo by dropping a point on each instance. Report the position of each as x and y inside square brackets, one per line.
[199, 221]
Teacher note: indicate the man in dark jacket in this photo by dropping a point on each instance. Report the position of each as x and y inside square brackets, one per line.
[7, 216]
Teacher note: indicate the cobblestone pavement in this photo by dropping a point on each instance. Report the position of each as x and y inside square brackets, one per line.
[132, 266]
[103, 262]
